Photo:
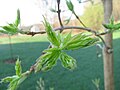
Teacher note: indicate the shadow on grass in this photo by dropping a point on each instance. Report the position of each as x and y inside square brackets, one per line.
[89, 67]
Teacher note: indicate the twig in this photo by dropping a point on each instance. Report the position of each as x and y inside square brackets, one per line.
[63, 28]
[79, 19]
[59, 16]
[66, 27]
[75, 27]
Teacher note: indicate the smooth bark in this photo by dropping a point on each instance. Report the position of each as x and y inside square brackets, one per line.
[108, 56]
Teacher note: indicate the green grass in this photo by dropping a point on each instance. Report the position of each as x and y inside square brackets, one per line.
[23, 39]
[88, 68]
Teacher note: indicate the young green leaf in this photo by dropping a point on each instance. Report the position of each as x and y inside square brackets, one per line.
[13, 85]
[67, 38]
[108, 26]
[70, 5]
[18, 67]
[79, 41]
[48, 60]
[11, 29]
[42, 61]
[17, 21]
[51, 61]
[52, 37]
[51, 49]
[67, 61]
[117, 26]
[59, 36]
[3, 31]
[16, 80]
[7, 79]
[111, 27]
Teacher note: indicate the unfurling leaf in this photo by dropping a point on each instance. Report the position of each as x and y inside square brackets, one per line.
[3, 31]
[10, 29]
[117, 26]
[18, 67]
[108, 26]
[67, 61]
[7, 79]
[111, 26]
[13, 85]
[51, 49]
[79, 41]
[70, 5]
[67, 38]
[52, 36]
[12, 80]
[17, 21]
[16, 81]
[48, 60]
[51, 61]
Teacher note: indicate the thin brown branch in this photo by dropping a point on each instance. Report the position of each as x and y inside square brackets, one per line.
[59, 15]
[75, 27]
[72, 27]
[65, 28]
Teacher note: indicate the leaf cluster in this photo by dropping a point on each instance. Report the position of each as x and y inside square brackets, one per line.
[12, 28]
[15, 80]
[59, 44]
[111, 26]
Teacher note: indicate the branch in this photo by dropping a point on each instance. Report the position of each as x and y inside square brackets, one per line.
[59, 17]
[72, 27]
[79, 19]
[75, 27]
[65, 28]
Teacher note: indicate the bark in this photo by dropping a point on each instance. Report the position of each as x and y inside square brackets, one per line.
[108, 56]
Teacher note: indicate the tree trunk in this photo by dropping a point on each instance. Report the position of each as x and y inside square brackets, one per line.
[108, 56]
